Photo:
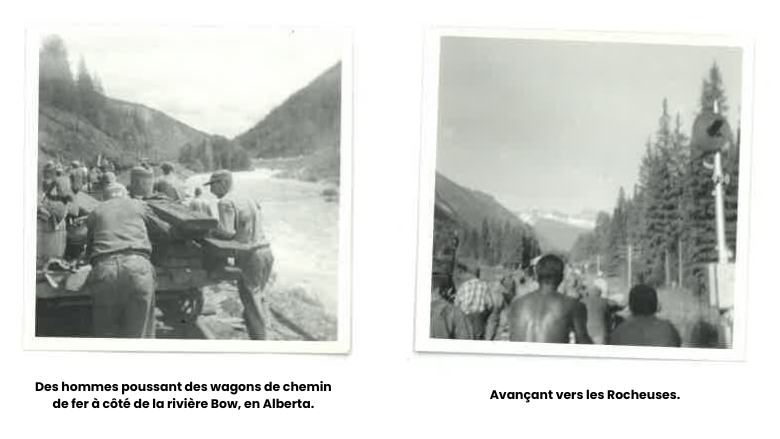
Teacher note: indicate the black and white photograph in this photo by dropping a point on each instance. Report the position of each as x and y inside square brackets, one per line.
[584, 193]
[192, 184]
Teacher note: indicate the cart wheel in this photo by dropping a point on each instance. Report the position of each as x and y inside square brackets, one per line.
[184, 309]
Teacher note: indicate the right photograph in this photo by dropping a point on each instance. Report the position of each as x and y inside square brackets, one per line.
[584, 193]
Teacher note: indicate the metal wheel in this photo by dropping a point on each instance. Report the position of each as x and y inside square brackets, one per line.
[183, 308]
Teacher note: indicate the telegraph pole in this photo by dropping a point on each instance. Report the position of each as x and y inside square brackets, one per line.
[720, 228]
[720, 219]
[630, 254]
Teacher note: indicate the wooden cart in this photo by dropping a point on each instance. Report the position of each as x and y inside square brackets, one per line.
[183, 267]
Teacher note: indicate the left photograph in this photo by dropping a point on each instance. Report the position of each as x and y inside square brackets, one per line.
[191, 189]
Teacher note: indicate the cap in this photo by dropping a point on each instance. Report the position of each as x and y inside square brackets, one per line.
[221, 175]
[75, 163]
[109, 177]
[114, 190]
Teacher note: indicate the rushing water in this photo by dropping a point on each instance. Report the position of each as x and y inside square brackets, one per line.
[302, 227]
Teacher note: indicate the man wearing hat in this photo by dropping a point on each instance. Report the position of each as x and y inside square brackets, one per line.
[168, 184]
[239, 220]
[77, 176]
[122, 279]
[447, 320]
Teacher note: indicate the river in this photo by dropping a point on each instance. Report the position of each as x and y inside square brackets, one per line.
[302, 227]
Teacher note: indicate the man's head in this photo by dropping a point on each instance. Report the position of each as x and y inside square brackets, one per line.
[509, 290]
[167, 168]
[198, 192]
[114, 190]
[221, 182]
[643, 300]
[108, 177]
[75, 164]
[549, 271]
[48, 170]
[465, 272]
[594, 291]
[441, 284]
[599, 288]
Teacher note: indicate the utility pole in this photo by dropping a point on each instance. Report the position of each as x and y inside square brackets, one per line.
[720, 221]
[667, 272]
[679, 262]
[630, 252]
[720, 228]
[598, 263]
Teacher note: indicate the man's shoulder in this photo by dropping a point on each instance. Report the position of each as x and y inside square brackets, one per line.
[229, 199]
[520, 301]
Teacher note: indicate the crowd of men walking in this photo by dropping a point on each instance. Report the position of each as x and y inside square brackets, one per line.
[543, 305]
[116, 232]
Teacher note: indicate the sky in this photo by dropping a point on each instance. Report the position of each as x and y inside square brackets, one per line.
[221, 81]
[562, 125]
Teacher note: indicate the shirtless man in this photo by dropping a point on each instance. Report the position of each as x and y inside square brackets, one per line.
[545, 315]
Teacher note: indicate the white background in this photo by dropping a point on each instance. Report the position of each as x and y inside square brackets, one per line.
[383, 388]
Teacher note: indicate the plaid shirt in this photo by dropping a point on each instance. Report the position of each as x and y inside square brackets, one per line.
[472, 296]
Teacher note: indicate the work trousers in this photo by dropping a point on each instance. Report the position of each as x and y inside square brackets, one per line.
[123, 291]
[255, 271]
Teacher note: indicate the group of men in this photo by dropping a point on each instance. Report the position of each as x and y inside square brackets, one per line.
[466, 307]
[121, 232]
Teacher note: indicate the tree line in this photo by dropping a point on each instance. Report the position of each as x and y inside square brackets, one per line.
[494, 244]
[668, 222]
[83, 96]
[216, 152]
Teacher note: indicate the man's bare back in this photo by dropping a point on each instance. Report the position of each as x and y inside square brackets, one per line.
[547, 317]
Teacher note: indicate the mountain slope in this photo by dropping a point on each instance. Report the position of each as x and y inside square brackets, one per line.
[164, 134]
[556, 236]
[488, 232]
[307, 124]
[473, 206]
[129, 131]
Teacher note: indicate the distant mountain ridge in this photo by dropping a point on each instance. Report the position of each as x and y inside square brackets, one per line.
[489, 233]
[131, 131]
[583, 220]
[305, 125]
[472, 206]
[557, 231]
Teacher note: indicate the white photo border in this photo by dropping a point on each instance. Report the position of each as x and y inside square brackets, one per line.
[341, 345]
[422, 341]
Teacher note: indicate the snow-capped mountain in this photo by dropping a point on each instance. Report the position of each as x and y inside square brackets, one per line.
[583, 220]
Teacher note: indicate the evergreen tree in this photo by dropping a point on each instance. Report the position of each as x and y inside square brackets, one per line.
[55, 80]
[485, 241]
[617, 236]
[712, 90]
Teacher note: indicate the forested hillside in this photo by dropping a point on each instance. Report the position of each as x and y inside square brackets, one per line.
[488, 231]
[78, 121]
[669, 219]
[307, 125]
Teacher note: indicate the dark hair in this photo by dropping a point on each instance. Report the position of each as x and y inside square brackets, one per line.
[549, 270]
[198, 191]
[441, 282]
[643, 300]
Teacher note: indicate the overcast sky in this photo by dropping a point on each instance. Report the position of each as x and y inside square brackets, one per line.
[562, 125]
[216, 80]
